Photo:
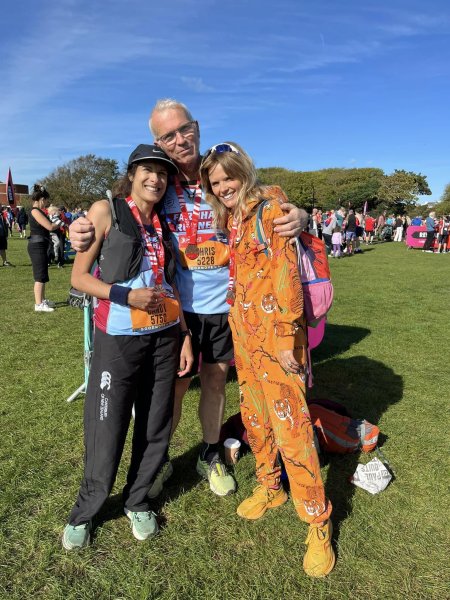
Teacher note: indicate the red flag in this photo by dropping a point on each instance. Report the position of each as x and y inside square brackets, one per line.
[10, 189]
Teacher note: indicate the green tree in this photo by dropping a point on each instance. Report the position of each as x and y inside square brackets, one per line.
[421, 181]
[326, 188]
[81, 181]
[443, 206]
[399, 191]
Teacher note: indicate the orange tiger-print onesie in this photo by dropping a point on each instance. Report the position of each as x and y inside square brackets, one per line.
[267, 316]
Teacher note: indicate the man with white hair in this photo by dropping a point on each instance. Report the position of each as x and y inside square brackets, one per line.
[430, 225]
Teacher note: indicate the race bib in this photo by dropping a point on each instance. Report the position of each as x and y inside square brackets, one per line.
[165, 314]
[209, 252]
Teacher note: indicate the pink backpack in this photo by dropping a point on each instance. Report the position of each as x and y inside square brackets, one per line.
[315, 277]
[313, 268]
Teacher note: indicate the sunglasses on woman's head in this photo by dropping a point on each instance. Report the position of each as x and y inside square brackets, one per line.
[221, 148]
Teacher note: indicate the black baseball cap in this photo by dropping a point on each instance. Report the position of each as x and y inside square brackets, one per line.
[151, 152]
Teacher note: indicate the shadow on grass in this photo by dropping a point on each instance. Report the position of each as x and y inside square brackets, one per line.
[367, 388]
[337, 339]
[183, 479]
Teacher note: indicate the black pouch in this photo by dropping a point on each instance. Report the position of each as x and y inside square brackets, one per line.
[124, 261]
[128, 252]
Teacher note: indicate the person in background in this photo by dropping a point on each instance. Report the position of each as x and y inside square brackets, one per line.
[270, 345]
[406, 224]
[319, 223]
[369, 227]
[4, 240]
[381, 222]
[359, 232]
[136, 342]
[10, 218]
[22, 222]
[202, 277]
[350, 231]
[336, 240]
[443, 233]
[430, 223]
[58, 236]
[313, 228]
[40, 228]
[328, 226]
[68, 216]
[398, 229]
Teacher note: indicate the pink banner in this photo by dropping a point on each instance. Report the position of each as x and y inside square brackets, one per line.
[416, 236]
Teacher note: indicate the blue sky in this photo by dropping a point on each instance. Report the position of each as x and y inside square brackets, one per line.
[302, 85]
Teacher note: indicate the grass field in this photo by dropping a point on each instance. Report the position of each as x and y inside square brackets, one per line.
[385, 356]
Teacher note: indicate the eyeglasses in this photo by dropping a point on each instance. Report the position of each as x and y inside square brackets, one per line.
[220, 149]
[186, 130]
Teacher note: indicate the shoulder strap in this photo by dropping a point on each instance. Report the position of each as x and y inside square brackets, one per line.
[113, 209]
[260, 233]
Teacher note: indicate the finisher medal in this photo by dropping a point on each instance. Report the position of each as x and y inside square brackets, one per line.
[230, 297]
[192, 252]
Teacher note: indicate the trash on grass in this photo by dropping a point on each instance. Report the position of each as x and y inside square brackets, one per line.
[373, 476]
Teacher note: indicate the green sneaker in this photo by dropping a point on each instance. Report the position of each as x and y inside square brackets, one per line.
[143, 524]
[220, 481]
[162, 476]
[77, 536]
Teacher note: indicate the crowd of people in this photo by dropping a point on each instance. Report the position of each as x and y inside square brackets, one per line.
[343, 231]
[16, 218]
[438, 231]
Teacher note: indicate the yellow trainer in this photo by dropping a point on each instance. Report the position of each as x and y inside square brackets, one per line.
[319, 558]
[261, 500]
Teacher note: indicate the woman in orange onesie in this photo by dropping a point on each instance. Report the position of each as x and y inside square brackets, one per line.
[269, 338]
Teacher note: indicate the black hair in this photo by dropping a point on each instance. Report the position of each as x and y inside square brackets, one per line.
[39, 192]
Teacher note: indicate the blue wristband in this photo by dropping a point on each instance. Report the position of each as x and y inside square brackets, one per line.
[119, 294]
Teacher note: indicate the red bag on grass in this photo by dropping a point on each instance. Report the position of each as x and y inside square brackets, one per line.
[337, 432]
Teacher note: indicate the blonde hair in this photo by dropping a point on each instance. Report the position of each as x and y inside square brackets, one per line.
[237, 166]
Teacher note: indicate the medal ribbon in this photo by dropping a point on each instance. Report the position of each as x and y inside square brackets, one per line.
[190, 224]
[156, 257]
[232, 277]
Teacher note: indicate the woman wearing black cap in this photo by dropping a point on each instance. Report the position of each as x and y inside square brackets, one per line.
[138, 329]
